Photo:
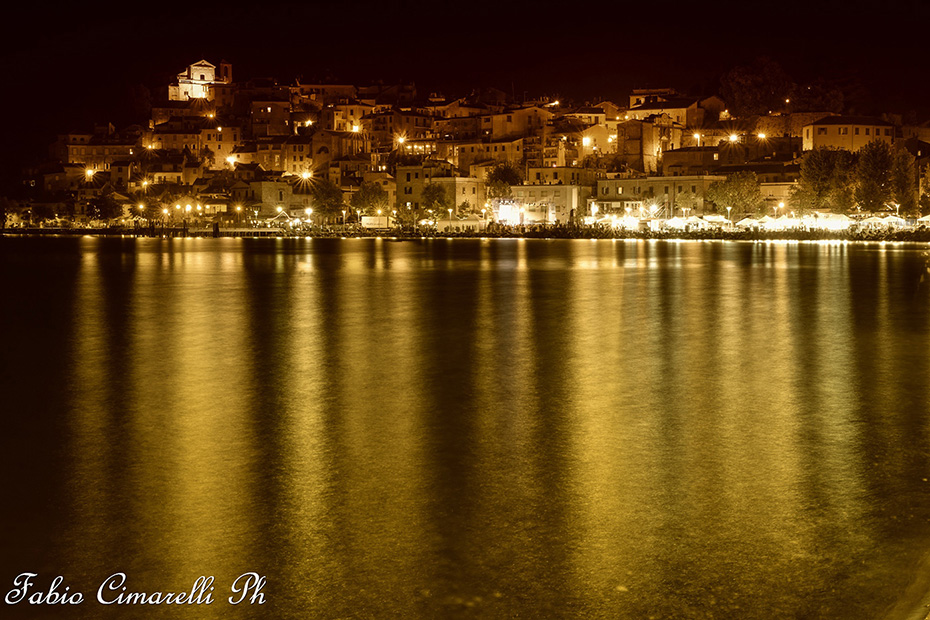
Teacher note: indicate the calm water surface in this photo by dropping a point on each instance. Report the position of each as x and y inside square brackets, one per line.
[467, 428]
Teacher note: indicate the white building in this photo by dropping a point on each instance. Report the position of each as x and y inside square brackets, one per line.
[197, 81]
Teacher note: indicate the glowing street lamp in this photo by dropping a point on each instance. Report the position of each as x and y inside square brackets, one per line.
[343, 219]
[733, 137]
[306, 175]
[450, 219]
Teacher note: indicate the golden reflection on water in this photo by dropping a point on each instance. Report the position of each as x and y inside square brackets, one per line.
[425, 428]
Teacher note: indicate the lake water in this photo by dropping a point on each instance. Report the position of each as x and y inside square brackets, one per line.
[468, 428]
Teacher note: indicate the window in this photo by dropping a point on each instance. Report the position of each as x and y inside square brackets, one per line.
[821, 131]
[716, 156]
[694, 189]
[887, 131]
[867, 129]
[856, 131]
[619, 190]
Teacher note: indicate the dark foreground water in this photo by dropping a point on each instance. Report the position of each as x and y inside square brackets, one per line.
[467, 428]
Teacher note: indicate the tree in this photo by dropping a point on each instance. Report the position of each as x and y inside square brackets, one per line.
[825, 181]
[873, 176]
[818, 96]
[104, 208]
[756, 89]
[924, 201]
[327, 197]
[505, 172]
[369, 198]
[6, 211]
[904, 182]
[739, 192]
[686, 200]
[499, 190]
[434, 197]
[207, 156]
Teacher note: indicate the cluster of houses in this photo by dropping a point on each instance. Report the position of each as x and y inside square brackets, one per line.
[257, 148]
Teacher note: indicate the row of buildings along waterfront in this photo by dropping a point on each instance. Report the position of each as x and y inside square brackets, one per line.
[259, 147]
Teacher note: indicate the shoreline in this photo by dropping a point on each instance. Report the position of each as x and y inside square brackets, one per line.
[920, 235]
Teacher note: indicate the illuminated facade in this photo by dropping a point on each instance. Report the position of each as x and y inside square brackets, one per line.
[198, 80]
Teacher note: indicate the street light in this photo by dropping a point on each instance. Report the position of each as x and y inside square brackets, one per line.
[450, 219]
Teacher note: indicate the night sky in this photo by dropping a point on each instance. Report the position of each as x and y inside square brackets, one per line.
[69, 65]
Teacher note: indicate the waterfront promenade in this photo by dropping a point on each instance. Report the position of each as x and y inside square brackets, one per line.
[918, 234]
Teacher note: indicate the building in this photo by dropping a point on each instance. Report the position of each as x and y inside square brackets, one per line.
[465, 154]
[680, 195]
[690, 161]
[848, 133]
[688, 112]
[197, 81]
[561, 175]
[542, 204]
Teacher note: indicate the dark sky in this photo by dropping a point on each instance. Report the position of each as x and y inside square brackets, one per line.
[68, 65]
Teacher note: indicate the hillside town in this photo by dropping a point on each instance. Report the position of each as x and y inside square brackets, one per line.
[265, 154]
